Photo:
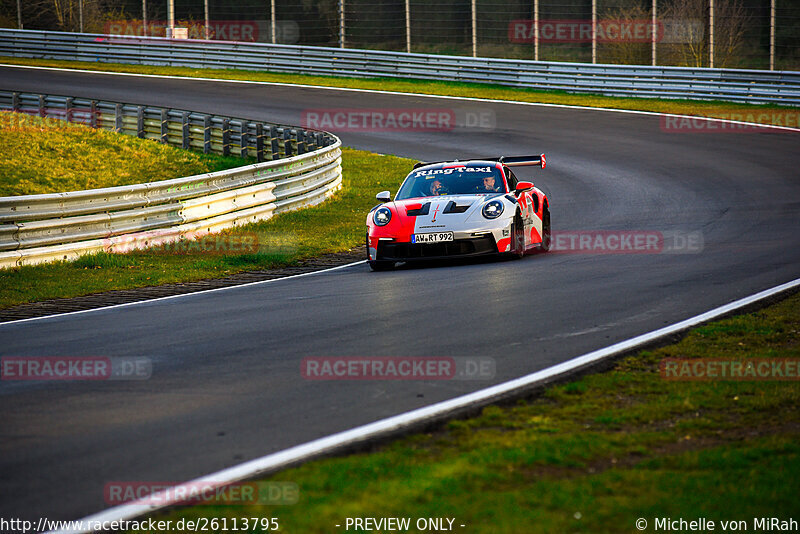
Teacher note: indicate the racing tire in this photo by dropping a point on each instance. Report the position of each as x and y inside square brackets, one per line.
[378, 265]
[517, 238]
[546, 233]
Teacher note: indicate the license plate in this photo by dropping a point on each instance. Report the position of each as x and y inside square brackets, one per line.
[437, 237]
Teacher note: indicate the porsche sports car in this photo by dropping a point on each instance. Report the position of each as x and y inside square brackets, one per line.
[459, 208]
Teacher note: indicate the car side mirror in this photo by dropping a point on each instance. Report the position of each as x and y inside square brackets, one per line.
[384, 196]
[523, 186]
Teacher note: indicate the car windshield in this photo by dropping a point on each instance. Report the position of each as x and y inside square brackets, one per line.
[452, 180]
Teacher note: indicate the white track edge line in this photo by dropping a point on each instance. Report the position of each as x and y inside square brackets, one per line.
[168, 297]
[319, 446]
[400, 93]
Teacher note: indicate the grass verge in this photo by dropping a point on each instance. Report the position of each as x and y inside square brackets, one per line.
[592, 455]
[42, 155]
[336, 225]
[725, 110]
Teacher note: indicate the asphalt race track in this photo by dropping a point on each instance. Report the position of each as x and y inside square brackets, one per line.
[226, 384]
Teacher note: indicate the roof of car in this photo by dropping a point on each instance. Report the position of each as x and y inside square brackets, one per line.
[465, 163]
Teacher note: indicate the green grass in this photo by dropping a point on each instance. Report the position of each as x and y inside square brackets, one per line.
[726, 110]
[52, 156]
[336, 225]
[592, 455]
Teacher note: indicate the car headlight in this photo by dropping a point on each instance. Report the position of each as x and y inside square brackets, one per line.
[493, 209]
[382, 216]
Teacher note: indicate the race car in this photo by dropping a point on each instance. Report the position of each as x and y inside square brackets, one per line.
[459, 208]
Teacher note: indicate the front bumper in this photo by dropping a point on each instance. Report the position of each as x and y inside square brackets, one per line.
[474, 246]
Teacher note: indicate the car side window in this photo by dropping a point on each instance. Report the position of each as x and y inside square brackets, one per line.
[511, 179]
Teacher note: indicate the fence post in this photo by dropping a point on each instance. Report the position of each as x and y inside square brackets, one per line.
[772, 35]
[226, 137]
[170, 19]
[594, 31]
[408, 26]
[206, 134]
[19, 14]
[206, 32]
[341, 24]
[273, 21]
[15, 102]
[140, 122]
[42, 105]
[186, 134]
[164, 126]
[474, 29]
[144, 17]
[711, 33]
[536, 30]
[654, 29]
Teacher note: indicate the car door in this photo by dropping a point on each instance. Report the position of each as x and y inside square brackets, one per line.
[529, 206]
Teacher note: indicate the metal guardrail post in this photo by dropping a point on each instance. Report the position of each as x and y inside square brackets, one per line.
[301, 142]
[15, 102]
[185, 133]
[118, 118]
[42, 106]
[206, 134]
[259, 142]
[93, 114]
[140, 122]
[164, 127]
[287, 143]
[243, 139]
[274, 145]
[68, 109]
[226, 137]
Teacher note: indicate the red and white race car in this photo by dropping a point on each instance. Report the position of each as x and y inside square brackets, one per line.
[459, 208]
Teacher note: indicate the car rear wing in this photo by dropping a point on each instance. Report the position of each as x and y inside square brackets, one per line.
[521, 161]
[509, 161]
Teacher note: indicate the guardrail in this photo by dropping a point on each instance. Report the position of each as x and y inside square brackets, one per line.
[751, 86]
[303, 169]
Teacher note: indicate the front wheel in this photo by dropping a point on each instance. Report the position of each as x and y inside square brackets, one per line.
[517, 238]
[378, 265]
[546, 233]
